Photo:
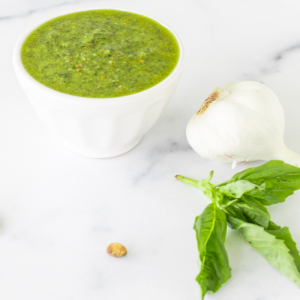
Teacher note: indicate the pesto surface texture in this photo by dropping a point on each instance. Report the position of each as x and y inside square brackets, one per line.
[100, 53]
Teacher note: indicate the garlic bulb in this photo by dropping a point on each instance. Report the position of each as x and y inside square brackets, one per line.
[238, 123]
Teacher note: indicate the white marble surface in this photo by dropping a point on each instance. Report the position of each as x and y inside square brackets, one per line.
[59, 211]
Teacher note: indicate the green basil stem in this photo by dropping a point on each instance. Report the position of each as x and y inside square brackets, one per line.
[188, 181]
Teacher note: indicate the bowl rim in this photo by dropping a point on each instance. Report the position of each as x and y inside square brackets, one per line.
[19, 68]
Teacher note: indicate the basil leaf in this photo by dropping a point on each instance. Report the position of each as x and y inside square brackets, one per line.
[223, 201]
[273, 249]
[236, 213]
[285, 235]
[273, 226]
[210, 229]
[238, 188]
[255, 211]
[281, 180]
[229, 194]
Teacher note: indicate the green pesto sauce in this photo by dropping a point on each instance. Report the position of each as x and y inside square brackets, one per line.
[100, 53]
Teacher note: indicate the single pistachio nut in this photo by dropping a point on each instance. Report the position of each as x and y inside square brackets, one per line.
[116, 250]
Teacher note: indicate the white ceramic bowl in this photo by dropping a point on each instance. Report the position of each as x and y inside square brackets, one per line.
[98, 127]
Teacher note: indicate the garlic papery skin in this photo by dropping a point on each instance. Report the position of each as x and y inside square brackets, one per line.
[240, 122]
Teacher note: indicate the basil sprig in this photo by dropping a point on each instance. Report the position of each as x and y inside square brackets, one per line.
[240, 203]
